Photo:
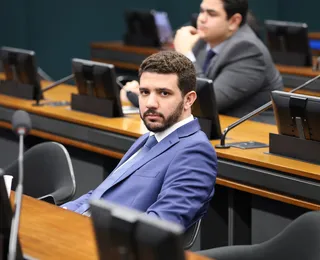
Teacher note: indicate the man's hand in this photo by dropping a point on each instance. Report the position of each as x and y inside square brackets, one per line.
[132, 86]
[185, 39]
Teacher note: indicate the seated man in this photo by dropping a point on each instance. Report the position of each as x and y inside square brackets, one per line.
[225, 49]
[170, 172]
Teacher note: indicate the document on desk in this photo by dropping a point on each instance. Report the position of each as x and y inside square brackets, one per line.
[8, 182]
[127, 110]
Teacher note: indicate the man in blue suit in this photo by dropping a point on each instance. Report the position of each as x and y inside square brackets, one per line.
[169, 172]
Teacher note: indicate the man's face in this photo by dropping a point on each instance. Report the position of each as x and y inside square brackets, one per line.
[213, 25]
[160, 101]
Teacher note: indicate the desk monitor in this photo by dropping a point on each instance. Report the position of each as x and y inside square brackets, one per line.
[20, 68]
[158, 239]
[147, 28]
[288, 43]
[5, 223]
[205, 109]
[124, 233]
[114, 227]
[99, 80]
[297, 115]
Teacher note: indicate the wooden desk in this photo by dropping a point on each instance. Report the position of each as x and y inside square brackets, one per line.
[50, 232]
[130, 57]
[242, 173]
[314, 35]
[298, 71]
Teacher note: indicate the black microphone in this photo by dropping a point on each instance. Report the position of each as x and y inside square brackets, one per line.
[53, 85]
[259, 110]
[21, 125]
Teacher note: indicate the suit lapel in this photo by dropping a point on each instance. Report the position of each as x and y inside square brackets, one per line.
[133, 149]
[200, 52]
[216, 64]
[158, 149]
[202, 56]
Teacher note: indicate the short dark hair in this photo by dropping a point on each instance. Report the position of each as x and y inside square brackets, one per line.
[236, 6]
[172, 62]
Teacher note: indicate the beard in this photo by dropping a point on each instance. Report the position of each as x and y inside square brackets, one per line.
[157, 127]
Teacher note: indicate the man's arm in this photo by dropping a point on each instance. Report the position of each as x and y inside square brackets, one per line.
[75, 204]
[242, 77]
[188, 185]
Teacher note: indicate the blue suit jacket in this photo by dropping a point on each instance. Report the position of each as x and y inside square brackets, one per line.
[175, 181]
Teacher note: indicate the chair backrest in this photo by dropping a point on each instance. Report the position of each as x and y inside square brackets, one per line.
[48, 171]
[299, 240]
[191, 234]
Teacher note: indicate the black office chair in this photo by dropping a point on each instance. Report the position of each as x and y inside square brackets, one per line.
[48, 173]
[191, 235]
[300, 240]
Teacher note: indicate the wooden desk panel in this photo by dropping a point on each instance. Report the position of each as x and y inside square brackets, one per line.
[128, 125]
[299, 71]
[119, 46]
[314, 35]
[50, 232]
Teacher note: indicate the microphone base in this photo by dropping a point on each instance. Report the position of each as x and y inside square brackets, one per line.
[37, 105]
[219, 146]
[52, 104]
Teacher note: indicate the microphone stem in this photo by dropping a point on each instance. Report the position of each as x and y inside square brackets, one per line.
[21, 150]
[59, 82]
[305, 84]
[246, 117]
[17, 204]
[258, 111]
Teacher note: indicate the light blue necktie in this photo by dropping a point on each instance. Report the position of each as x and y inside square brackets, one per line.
[210, 55]
[118, 172]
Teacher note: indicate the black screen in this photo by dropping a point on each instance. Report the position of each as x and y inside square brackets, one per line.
[205, 109]
[289, 107]
[288, 43]
[99, 80]
[20, 66]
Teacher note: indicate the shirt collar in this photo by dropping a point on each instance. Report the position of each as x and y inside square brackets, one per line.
[161, 135]
[217, 49]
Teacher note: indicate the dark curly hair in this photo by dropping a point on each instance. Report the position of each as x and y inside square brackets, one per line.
[172, 62]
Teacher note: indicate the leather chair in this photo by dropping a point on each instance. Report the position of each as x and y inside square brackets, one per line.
[48, 173]
[191, 235]
[299, 240]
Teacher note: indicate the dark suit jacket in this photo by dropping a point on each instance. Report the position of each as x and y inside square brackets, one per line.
[175, 181]
[243, 73]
